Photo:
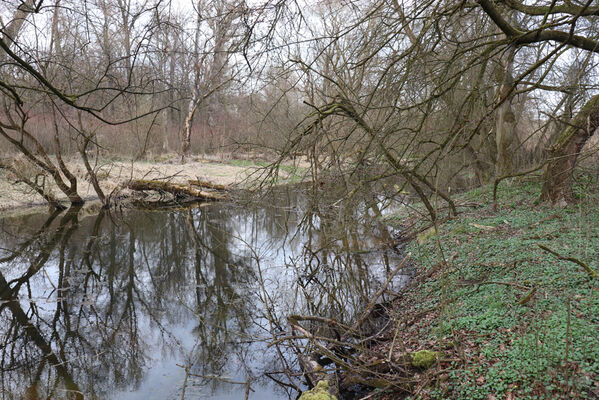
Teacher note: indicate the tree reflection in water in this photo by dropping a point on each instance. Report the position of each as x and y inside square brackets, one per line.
[90, 304]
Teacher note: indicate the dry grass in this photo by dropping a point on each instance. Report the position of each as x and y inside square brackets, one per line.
[112, 173]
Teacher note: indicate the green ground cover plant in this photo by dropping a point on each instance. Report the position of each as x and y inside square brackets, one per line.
[519, 319]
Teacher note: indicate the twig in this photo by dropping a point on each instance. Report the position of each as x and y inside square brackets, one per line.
[414, 234]
[498, 180]
[247, 389]
[483, 282]
[371, 395]
[184, 382]
[285, 339]
[517, 285]
[325, 320]
[323, 349]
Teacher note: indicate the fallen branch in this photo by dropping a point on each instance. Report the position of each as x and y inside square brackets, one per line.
[313, 371]
[584, 265]
[517, 174]
[412, 235]
[480, 283]
[329, 321]
[372, 302]
[528, 296]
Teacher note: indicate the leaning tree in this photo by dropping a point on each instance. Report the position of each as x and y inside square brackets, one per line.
[560, 25]
[431, 89]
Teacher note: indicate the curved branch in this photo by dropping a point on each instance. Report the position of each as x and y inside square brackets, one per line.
[500, 21]
[67, 99]
[541, 34]
[566, 8]
[577, 41]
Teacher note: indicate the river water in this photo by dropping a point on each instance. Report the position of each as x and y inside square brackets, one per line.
[181, 303]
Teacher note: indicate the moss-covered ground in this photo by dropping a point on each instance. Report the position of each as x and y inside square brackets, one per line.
[512, 320]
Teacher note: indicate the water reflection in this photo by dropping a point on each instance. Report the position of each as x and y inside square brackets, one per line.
[177, 302]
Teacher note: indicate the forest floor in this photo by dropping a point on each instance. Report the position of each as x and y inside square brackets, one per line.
[510, 319]
[114, 172]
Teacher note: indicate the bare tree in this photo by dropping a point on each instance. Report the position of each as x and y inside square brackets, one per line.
[443, 88]
[216, 39]
[59, 74]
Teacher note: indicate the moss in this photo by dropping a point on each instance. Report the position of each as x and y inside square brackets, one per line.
[424, 358]
[320, 392]
[580, 119]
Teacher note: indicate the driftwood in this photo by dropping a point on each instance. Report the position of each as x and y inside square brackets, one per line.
[179, 190]
[349, 371]
[371, 369]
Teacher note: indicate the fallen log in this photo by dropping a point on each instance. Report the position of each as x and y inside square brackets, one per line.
[208, 185]
[179, 190]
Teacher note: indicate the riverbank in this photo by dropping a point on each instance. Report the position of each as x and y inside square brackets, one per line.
[112, 173]
[509, 319]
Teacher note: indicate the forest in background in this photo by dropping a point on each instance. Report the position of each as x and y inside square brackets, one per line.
[442, 93]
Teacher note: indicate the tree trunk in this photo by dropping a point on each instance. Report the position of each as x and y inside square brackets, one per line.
[93, 177]
[195, 100]
[186, 134]
[505, 120]
[557, 179]
[71, 190]
[33, 184]
[177, 189]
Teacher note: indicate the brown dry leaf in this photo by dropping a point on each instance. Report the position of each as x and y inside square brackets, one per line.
[480, 380]
[491, 397]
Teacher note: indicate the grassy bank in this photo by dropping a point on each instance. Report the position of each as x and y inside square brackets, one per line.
[511, 319]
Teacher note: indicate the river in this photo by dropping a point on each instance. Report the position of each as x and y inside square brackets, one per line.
[181, 303]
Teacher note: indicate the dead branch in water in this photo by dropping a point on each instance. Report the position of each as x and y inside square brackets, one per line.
[379, 292]
[355, 361]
